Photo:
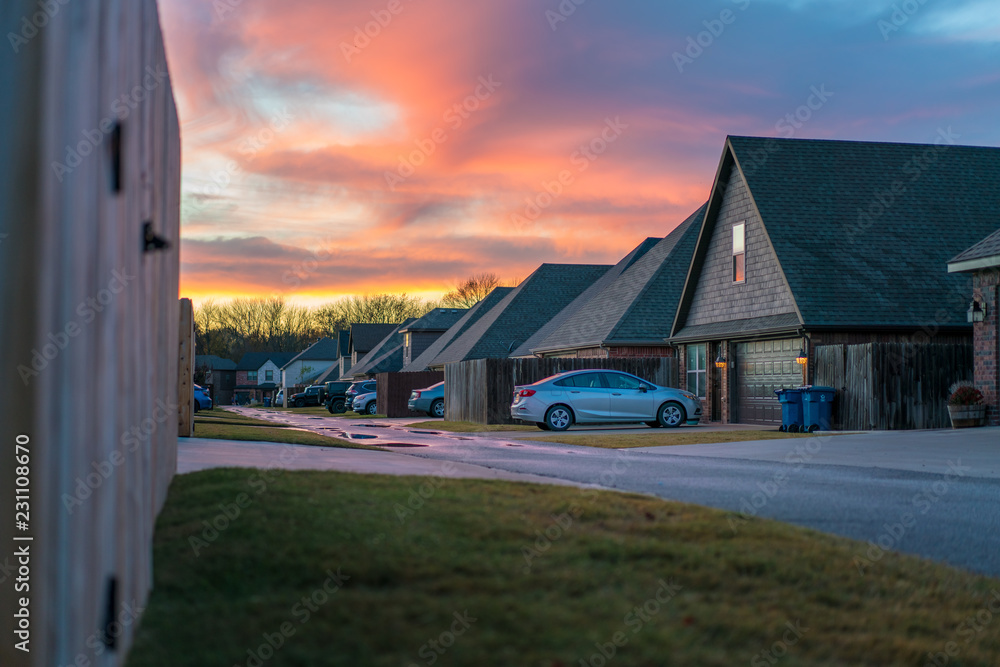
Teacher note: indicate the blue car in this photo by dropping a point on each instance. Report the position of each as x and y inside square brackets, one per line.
[202, 401]
[429, 400]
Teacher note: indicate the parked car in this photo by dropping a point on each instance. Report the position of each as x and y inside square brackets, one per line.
[365, 404]
[601, 396]
[336, 396]
[313, 395]
[429, 400]
[279, 399]
[202, 401]
[356, 388]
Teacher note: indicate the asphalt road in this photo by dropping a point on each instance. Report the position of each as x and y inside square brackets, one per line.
[897, 491]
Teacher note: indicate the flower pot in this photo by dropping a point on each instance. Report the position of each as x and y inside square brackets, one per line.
[966, 416]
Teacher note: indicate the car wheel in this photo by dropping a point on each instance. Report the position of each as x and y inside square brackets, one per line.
[653, 424]
[196, 406]
[558, 418]
[542, 425]
[671, 415]
[338, 406]
[372, 407]
[299, 403]
[437, 408]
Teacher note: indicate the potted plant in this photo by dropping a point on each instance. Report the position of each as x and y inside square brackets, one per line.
[965, 406]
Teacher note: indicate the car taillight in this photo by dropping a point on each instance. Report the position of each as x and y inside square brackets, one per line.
[416, 394]
[524, 393]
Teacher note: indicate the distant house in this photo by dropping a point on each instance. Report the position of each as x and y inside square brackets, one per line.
[258, 374]
[217, 375]
[983, 262]
[471, 316]
[363, 338]
[309, 363]
[385, 357]
[632, 310]
[521, 313]
[422, 333]
[807, 243]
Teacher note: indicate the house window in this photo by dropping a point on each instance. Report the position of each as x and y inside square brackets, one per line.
[251, 377]
[739, 252]
[696, 369]
[268, 376]
[406, 339]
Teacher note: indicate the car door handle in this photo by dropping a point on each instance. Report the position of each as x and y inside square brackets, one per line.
[574, 392]
[616, 394]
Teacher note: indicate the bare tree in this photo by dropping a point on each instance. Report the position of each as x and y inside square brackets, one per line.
[369, 309]
[474, 289]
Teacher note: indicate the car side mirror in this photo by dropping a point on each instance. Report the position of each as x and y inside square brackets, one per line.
[642, 390]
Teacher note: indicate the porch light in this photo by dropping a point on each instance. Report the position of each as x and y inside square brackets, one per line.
[802, 359]
[977, 311]
[720, 362]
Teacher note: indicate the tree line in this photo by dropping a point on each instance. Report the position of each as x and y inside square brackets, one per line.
[230, 329]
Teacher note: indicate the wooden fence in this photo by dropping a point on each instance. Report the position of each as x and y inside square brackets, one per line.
[89, 316]
[393, 390]
[892, 385]
[480, 390]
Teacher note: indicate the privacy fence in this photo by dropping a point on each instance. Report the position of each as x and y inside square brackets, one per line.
[480, 390]
[892, 385]
[393, 390]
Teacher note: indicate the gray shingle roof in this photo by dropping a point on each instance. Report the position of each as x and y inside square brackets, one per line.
[325, 349]
[214, 362]
[524, 311]
[863, 231]
[456, 330]
[364, 337]
[387, 345]
[988, 248]
[344, 342]
[639, 305]
[251, 361]
[439, 319]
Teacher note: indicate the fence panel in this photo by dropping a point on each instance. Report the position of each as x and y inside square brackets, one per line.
[393, 390]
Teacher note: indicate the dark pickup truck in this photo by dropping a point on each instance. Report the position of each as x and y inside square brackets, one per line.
[313, 395]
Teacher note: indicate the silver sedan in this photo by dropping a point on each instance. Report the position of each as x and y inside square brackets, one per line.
[602, 396]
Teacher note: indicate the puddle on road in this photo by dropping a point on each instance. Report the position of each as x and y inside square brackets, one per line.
[374, 425]
[361, 436]
[458, 437]
[512, 445]
[316, 417]
[426, 432]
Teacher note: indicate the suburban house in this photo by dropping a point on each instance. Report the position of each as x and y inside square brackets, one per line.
[309, 363]
[520, 314]
[471, 316]
[258, 374]
[808, 243]
[983, 262]
[217, 376]
[421, 334]
[633, 314]
[385, 357]
[361, 340]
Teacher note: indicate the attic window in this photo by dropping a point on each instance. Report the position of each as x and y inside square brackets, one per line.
[739, 252]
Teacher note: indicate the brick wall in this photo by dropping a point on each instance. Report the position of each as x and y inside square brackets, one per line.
[636, 351]
[987, 343]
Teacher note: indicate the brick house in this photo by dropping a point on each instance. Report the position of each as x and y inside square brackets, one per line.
[258, 374]
[217, 375]
[632, 311]
[807, 243]
[983, 262]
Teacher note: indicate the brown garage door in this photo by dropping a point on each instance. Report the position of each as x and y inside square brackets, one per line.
[763, 366]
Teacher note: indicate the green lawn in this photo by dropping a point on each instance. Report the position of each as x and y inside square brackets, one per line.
[260, 430]
[470, 427]
[340, 569]
[662, 438]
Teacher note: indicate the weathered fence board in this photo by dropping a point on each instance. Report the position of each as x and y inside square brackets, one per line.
[480, 391]
[393, 390]
[892, 385]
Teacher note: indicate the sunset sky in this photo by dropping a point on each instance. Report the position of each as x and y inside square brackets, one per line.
[459, 137]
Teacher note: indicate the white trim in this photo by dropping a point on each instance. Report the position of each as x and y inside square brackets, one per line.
[974, 264]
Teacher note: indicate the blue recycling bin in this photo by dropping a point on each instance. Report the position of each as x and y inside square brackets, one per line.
[791, 409]
[267, 402]
[817, 408]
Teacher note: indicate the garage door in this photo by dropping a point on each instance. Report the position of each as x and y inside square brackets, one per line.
[763, 366]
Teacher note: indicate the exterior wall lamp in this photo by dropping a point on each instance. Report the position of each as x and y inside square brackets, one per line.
[802, 359]
[720, 361]
[977, 311]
